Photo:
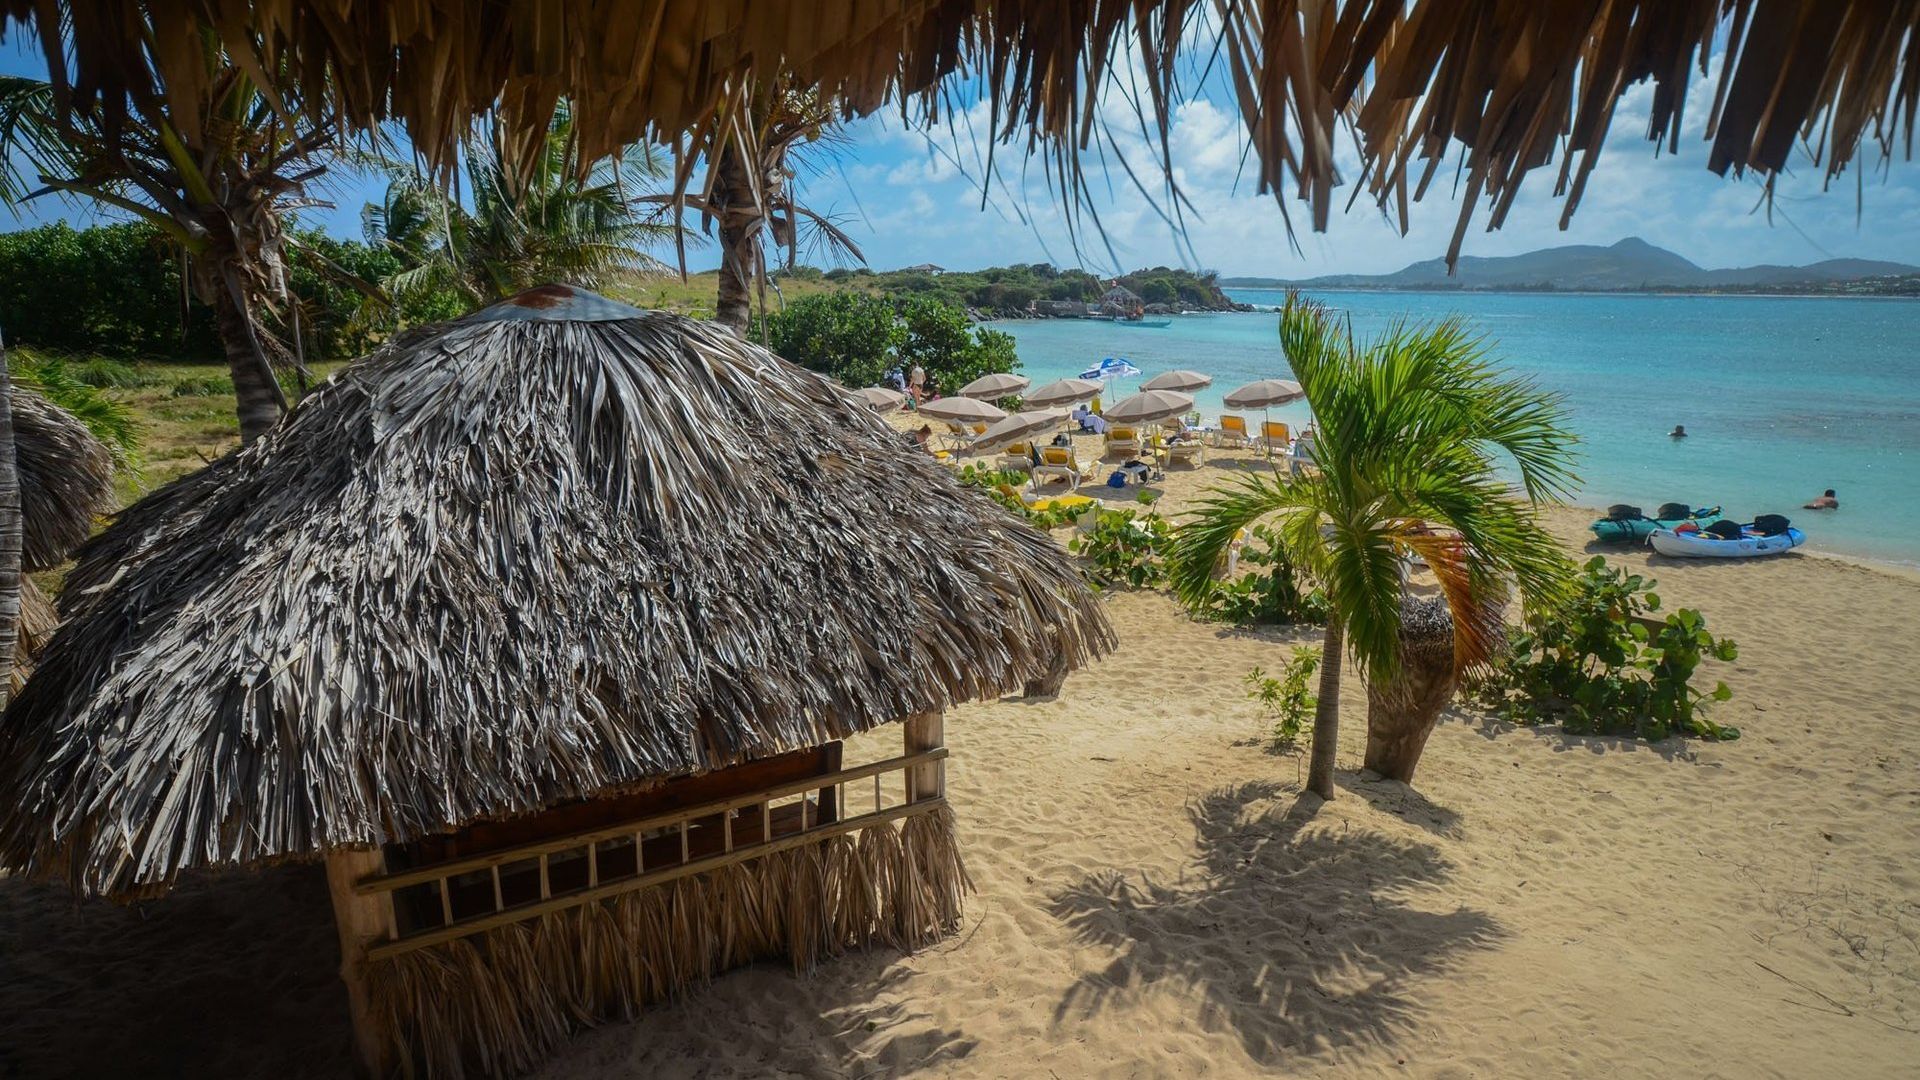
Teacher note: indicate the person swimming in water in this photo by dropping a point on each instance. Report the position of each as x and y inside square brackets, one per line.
[1679, 432]
[1829, 501]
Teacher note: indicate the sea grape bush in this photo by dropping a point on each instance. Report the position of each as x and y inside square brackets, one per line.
[1269, 594]
[1601, 665]
[995, 483]
[1286, 702]
[1124, 549]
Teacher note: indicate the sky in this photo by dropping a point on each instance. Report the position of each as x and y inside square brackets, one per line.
[908, 196]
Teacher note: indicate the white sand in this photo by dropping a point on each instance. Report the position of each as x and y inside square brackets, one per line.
[1153, 900]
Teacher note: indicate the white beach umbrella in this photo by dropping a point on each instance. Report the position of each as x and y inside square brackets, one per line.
[990, 387]
[963, 410]
[1015, 428]
[881, 399]
[1265, 394]
[1182, 380]
[1065, 392]
[1150, 405]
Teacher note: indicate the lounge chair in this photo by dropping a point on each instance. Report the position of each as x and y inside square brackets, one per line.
[1232, 433]
[960, 436]
[1017, 457]
[1300, 456]
[1275, 436]
[1122, 441]
[1188, 452]
[1057, 463]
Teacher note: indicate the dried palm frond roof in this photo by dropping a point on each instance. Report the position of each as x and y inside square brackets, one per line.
[556, 548]
[66, 479]
[1516, 83]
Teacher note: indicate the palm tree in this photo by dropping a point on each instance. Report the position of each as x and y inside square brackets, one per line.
[752, 158]
[1410, 427]
[560, 223]
[215, 166]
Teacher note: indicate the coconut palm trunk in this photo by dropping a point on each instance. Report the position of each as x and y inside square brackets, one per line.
[259, 400]
[1326, 713]
[11, 532]
[739, 223]
[1404, 706]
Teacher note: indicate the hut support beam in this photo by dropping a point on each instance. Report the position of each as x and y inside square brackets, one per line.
[363, 919]
[926, 731]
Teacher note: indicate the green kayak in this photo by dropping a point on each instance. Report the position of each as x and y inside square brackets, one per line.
[1626, 525]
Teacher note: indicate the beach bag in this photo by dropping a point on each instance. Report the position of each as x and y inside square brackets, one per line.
[1724, 530]
[1622, 512]
[1770, 525]
[1117, 480]
[1673, 511]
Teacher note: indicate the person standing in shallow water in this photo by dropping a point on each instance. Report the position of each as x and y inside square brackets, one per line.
[1679, 432]
[1828, 501]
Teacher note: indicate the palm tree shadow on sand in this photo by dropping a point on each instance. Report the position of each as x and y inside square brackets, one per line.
[1297, 941]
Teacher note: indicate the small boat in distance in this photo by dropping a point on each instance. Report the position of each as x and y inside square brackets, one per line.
[1625, 524]
[1144, 324]
[1768, 534]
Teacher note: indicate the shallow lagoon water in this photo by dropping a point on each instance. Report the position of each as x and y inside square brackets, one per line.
[1782, 397]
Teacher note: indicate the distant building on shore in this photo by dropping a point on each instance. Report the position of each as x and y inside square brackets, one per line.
[1120, 300]
[924, 268]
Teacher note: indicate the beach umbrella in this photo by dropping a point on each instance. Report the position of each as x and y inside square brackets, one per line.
[1265, 394]
[1065, 392]
[880, 398]
[1184, 381]
[990, 387]
[962, 410]
[1112, 367]
[1015, 428]
[1150, 405]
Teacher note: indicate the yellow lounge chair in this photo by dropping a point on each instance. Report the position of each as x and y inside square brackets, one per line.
[1275, 436]
[1122, 441]
[1017, 457]
[1058, 463]
[1233, 433]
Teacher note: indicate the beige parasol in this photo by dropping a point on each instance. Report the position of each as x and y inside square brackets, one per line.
[1181, 380]
[1150, 405]
[999, 385]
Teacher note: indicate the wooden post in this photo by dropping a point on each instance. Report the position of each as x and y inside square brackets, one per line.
[926, 731]
[362, 920]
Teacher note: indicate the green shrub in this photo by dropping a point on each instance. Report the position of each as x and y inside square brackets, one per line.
[992, 481]
[1601, 665]
[1124, 549]
[1269, 594]
[202, 386]
[107, 374]
[1286, 702]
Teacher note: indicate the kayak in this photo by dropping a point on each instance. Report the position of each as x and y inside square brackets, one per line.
[1706, 546]
[1636, 529]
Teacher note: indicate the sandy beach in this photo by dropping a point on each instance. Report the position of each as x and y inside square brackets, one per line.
[1155, 899]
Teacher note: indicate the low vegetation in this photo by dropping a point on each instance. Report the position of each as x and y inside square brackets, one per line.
[858, 338]
[1124, 548]
[1288, 702]
[1010, 291]
[1601, 664]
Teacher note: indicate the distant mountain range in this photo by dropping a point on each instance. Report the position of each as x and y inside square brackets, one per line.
[1632, 265]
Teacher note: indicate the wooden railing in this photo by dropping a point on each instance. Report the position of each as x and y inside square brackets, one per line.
[586, 866]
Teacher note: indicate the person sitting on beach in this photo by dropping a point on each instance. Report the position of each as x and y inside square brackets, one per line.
[923, 437]
[1679, 432]
[1828, 501]
[1090, 420]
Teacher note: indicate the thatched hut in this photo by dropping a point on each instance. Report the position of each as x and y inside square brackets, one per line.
[541, 628]
[66, 484]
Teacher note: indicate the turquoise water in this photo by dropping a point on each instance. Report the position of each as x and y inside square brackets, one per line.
[1782, 397]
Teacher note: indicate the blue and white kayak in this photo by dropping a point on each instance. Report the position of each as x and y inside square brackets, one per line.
[1704, 546]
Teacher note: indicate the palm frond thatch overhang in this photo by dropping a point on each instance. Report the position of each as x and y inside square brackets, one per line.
[1517, 84]
[554, 549]
[66, 479]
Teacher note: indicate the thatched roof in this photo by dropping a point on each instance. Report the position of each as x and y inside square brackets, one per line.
[1509, 80]
[66, 484]
[66, 479]
[553, 549]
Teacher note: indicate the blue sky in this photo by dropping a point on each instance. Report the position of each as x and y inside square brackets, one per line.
[909, 197]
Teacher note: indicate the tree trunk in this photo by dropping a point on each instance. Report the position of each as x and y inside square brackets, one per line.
[1326, 715]
[1403, 708]
[257, 393]
[740, 220]
[10, 533]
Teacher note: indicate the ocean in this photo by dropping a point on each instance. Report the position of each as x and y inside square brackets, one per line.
[1782, 397]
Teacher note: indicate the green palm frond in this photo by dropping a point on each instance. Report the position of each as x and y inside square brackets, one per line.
[1413, 428]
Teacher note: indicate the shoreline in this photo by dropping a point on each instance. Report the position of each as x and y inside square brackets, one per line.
[1445, 291]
